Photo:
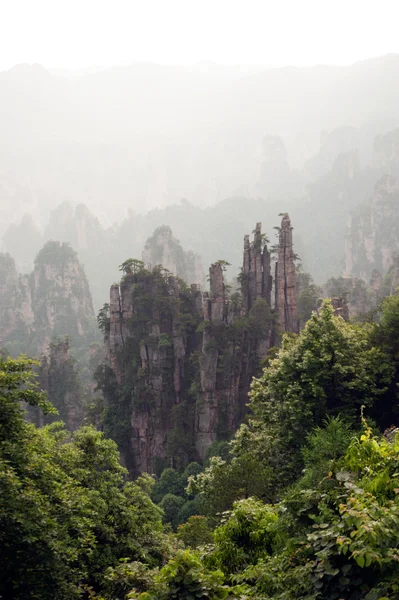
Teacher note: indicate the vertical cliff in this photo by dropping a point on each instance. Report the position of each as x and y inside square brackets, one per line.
[256, 276]
[61, 299]
[208, 409]
[372, 236]
[237, 333]
[16, 312]
[285, 279]
[150, 335]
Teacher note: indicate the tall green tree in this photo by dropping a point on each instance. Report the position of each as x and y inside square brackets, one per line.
[68, 511]
[331, 368]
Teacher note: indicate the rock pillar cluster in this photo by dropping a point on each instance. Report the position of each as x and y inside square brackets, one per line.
[215, 318]
[180, 363]
[256, 271]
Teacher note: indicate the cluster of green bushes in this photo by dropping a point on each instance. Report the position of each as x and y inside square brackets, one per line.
[303, 505]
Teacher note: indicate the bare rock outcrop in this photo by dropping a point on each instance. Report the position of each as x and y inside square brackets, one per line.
[285, 279]
[149, 336]
[256, 272]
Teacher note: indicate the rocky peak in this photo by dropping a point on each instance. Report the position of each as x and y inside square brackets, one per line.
[54, 300]
[162, 248]
[256, 274]
[285, 279]
[215, 301]
[61, 296]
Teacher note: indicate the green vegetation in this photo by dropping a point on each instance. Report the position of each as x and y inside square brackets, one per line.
[305, 503]
[67, 510]
[57, 254]
[162, 308]
[302, 503]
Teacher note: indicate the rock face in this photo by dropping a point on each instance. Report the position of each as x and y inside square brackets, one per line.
[285, 283]
[61, 296]
[16, 312]
[179, 363]
[276, 178]
[150, 335]
[54, 300]
[162, 248]
[256, 272]
[372, 236]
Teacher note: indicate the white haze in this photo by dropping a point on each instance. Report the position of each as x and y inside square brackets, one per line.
[134, 105]
[76, 34]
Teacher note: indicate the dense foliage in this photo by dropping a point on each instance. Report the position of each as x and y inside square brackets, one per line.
[302, 504]
[67, 510]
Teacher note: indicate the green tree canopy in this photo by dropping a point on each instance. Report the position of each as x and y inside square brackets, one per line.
[67, 510]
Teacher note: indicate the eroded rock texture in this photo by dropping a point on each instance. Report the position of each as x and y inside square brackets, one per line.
[372, 237]
[285, 282]
[256, 271]
[16, 311]
[150, 337]
[54, 300]
[179, 363]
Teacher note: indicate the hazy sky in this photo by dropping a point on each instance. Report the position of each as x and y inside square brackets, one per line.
[79, 33]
